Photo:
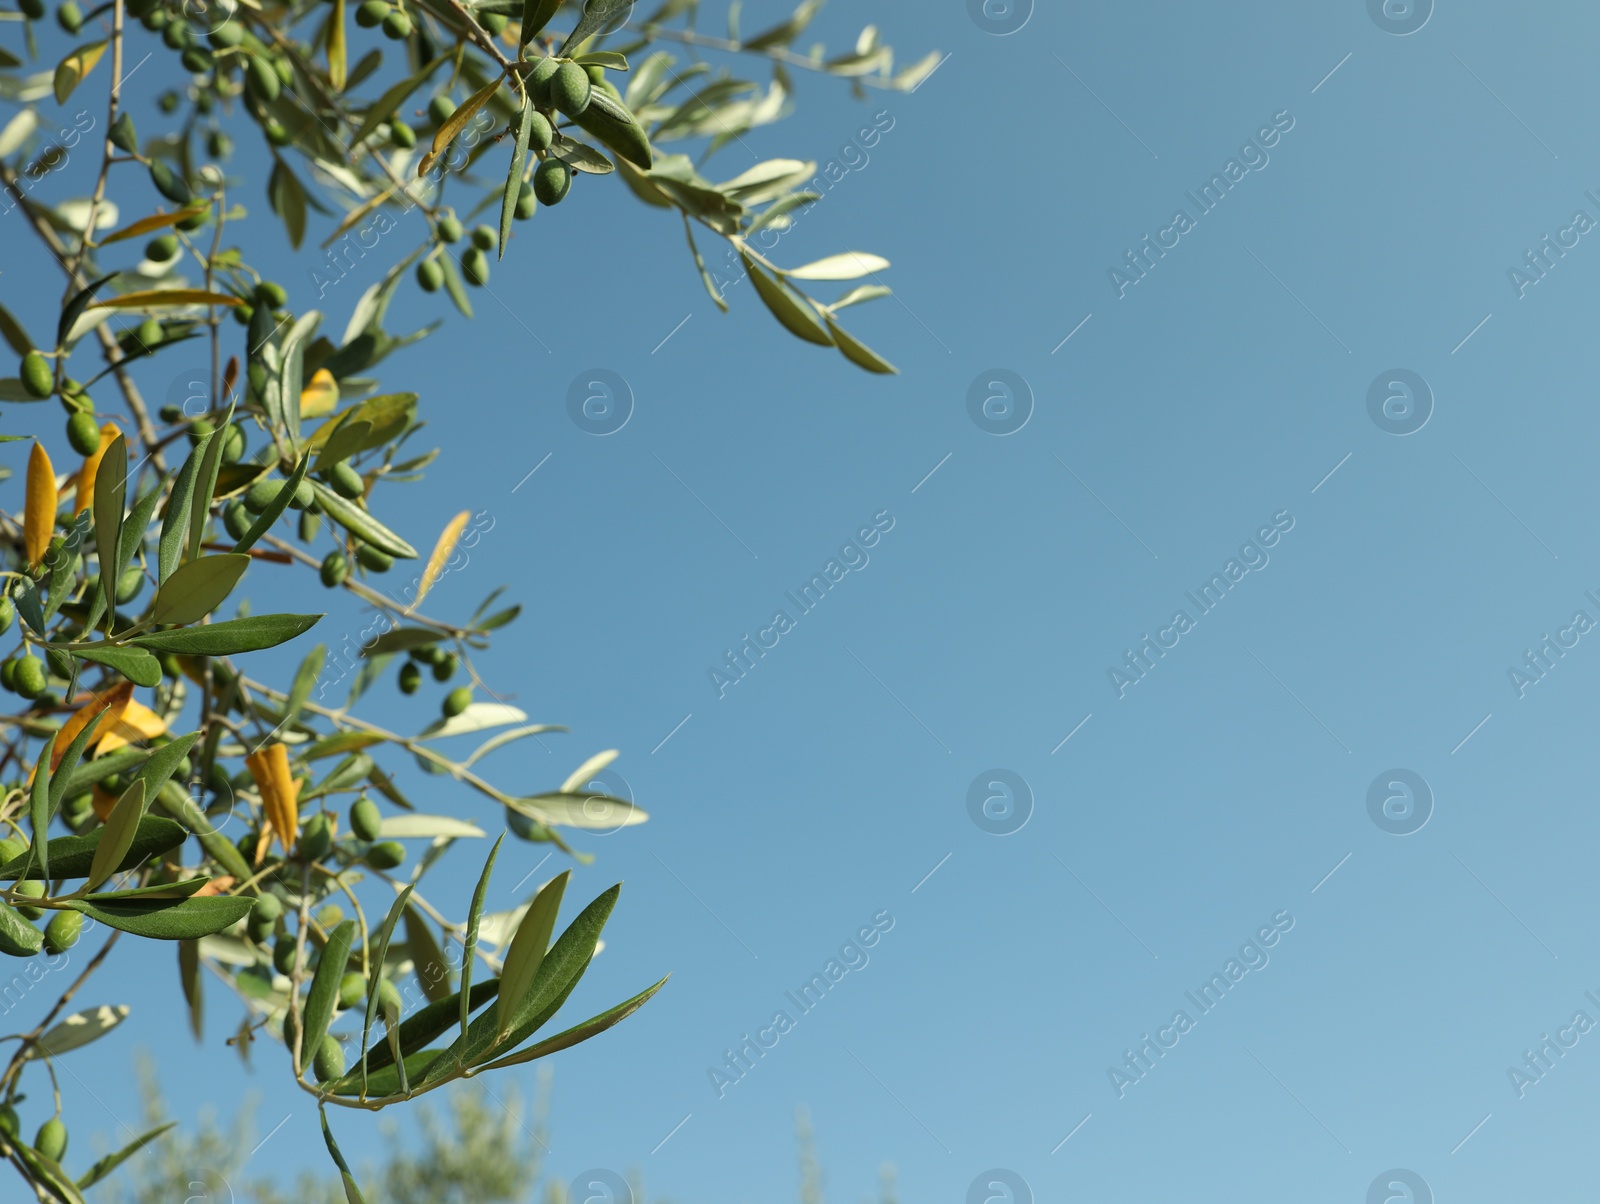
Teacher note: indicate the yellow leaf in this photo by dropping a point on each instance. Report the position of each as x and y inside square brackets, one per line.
[71, 70]
[114, 702]
[441, 554]
[91, 466]
[39, 515]
[138, 722]
[150, 298]
[146, 224]
[455, 123]
[319, 397]
[280, 793]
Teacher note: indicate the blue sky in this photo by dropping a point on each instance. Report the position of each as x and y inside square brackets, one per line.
[1168, 820]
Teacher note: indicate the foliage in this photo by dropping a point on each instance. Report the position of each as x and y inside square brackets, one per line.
[155, 786]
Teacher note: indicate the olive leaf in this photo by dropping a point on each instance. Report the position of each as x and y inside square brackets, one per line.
[77, 1030]
[198, 588]
[230, 637]
[168, 919]
[70, 72]
[527, 952]
[122, 825]
[324, 990]
[72, 856]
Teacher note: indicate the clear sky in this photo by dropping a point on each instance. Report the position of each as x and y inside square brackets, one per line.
[1323, 393]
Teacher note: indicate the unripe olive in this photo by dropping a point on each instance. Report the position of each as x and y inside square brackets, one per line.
[352, 989]
[371, 13]
[169, 100]
[374, 559]
[430, 275]
[346, 481]
[539, 80]
[402, 135]
[551, 180]
[485, 238]
[259, 496]
[227, 35]
[272, 294]
[8, 611]
[570, 88]
[386, 855]
[596, 73]
[410, 679]
[37, 376]
[155, 21]
[304, 495]
[236, 520]
[450, 228]
[335, 568]
[194, 221]
[261, 80]
[122, 134]
[70, 17]
[218, 145]
[475, 266]
[51, 1140]
[130, 583]
[540, 133]
[440, 108]
[444, 668]
[329, 1063]
[161, 248]
[493, 23]
[316, 838]
[365, 818]
[83, 433]
[310, 524]
[78, 810]
[8, 672]
[458, 700]
[196, 59]
[388, 996]
[176, 35]
[30, 888]
[397, 26]
[169, 184]
[11, 848]
[277, 134]
[283, 954]
[234, 443]
[30, 677]
[268, 905]
[61, 933]
[526, 204]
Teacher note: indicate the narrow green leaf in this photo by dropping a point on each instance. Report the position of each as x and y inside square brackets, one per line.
[73, 309]
[847, 265]
[60, 779]
[110, 494]
[137, 665]
[324, 992]
[423, 1025]
[858, 353]
[536, 14]
[591, 1027]
[596, 15]
[49, 1173]
[72, 856]
[352, 1193]
[519, 164]
[121, 827]
[175, 524]
[164, 762]
[361, 524]
[198, 588]
[111, 1162]
[798, 319]
[169, 919]
[18, 938]
[230, 637]
[39, 805]
[527, 952]
[454, 286]
[305, 679]
[376, 956]
[469, 949]
[275, 507]
[431, 969]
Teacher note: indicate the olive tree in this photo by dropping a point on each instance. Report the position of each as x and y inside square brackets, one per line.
[157, 784]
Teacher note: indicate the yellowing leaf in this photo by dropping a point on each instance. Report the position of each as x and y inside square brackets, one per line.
[280, 793]
[150, 298]
[39, 516]
[91, 466]
[336, 47]
[156, 222]
[137, 722]
[71, 70]
[455, 123]
[318, 398]
[114, 702]
[441, 554]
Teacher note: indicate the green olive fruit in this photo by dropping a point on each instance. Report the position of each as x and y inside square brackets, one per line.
[51, 1140]
[8, 611]
[335, 568]
[346, 481]
[151, 333]
[276, 133]
[402, 135]
[475, 266]
[458, 700]
[329, 1063]
[445, 667]
[30, 677]
[259, 496]
[526, 204]
[440, 108]
[485, 238]
[83, 433]
[316, 838]
[123, 136]
[352, 990]
[175, 34]
[310, 524]
[365, 818]
[539, 79]
[272, 294]
[397, 26]
[169, 100]
[410, 679]
[450, 228]
[268, 906]
[540, 133]
[494, 23]
[169, 184]
[371, 13]
[218, 145]
[195, 221]
[283, 954]
[227, 35]
[261, 80]
[386, 855]
[61, 933]
[234, 444]
[11, 848]
[130, 583]
[37, 376]
[570, 88]
[30, 888]
[70, 17]
[195, 59]
[8, 672]
[161, 248]
[304, 495]
[430, 275]
[551, 180]
[374, 559]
